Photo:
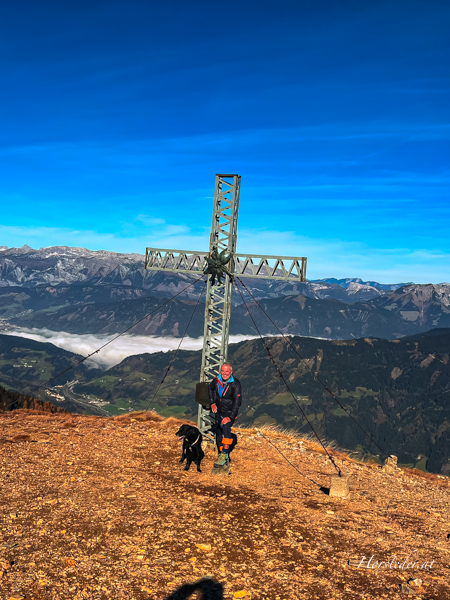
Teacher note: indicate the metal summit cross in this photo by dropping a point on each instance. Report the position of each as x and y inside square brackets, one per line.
[218, 294]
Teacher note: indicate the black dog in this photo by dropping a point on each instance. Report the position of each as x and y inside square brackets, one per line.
[192, 446]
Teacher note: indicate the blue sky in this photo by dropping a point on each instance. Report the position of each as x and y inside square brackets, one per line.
[115, 117]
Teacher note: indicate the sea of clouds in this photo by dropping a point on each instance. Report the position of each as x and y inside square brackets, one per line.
[114, 353]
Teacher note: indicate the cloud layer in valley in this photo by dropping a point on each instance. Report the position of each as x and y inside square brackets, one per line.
[115, 352]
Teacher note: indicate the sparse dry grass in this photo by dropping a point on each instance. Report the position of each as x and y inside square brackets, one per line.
[436, 479]
[141, 416]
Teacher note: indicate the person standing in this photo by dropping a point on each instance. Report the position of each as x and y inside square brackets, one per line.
[225, 398]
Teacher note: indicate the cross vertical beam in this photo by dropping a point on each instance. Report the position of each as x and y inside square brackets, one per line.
[218, 295]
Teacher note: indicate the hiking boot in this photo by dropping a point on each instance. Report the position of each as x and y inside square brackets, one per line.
[223, 460]
[229, 457]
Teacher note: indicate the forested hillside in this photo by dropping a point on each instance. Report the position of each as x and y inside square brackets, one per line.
[11, 400]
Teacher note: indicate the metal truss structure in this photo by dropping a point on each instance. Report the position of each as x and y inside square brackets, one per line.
[289, 268]
[218, 294]
[176, 261]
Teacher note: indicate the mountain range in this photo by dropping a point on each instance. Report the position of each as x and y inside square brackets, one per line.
[79, 291]
[63, 265]
[408, 310]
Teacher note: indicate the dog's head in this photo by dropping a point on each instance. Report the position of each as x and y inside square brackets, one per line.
[187, 431]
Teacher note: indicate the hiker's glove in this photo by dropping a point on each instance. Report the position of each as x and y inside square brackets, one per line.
[214, 408]
[225, 420]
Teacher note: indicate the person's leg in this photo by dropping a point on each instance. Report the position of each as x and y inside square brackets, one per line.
[219, 434]
[222, 442]
[227, 438]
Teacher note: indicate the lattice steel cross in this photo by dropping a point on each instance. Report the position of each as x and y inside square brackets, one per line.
[218, 295]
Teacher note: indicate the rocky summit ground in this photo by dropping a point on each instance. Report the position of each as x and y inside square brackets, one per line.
[97, 508]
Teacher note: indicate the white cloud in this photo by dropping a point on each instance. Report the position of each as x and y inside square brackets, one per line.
[161, 236]
[149, 221]
[115, 352]
[332, 257]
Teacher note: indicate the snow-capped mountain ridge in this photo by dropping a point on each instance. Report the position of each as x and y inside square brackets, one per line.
[357, 283]
[57, 265]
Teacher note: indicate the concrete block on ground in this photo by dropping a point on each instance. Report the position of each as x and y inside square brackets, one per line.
[340, 486]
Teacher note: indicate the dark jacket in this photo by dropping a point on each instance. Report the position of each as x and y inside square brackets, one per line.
[230, 402]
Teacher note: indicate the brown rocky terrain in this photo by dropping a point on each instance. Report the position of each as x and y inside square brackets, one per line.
[95, 508]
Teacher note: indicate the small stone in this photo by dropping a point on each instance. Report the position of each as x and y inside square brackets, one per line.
[390, 465]
[205, 547]
[70, 562]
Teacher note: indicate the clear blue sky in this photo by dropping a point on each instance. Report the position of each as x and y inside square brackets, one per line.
[116, 115]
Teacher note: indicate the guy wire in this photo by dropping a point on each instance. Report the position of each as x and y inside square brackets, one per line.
[286, 459]
[179, 345]
[313, 373]
[190, 320]
[38, 387]
[285, 383]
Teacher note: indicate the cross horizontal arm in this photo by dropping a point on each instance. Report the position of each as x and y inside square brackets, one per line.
[261, 266]
[176, 261]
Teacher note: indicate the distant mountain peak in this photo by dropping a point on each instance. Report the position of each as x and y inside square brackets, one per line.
[355, 281]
